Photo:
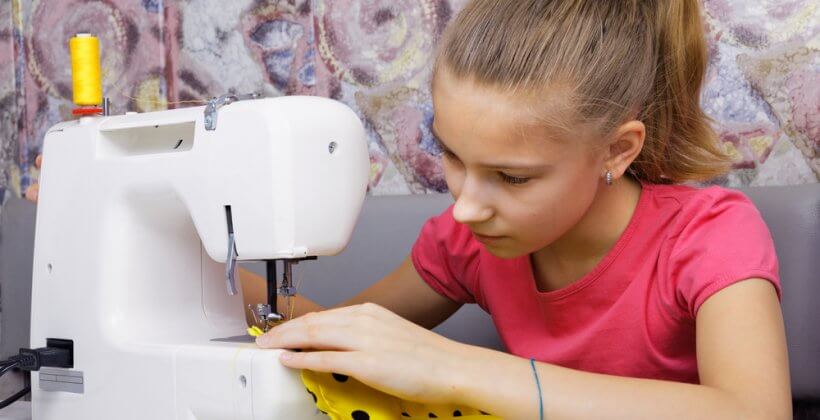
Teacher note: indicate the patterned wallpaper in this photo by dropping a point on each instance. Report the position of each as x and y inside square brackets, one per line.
[763, 85]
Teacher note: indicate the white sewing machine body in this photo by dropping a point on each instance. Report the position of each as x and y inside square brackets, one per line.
[131, 244]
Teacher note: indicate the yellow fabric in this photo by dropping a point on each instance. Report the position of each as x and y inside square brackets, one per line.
[345, 398]
[255, 331]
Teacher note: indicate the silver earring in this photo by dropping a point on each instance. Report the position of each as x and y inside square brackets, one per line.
[608, 177]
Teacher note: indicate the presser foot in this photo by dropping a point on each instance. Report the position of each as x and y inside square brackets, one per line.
[264, 318]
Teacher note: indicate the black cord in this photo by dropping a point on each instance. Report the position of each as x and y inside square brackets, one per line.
[7, 366]
[5, 403]
[57, 353]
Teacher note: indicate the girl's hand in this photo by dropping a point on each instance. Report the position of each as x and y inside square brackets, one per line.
[33, 191]
[377, 347]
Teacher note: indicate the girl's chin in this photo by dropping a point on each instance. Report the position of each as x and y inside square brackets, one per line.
[505, 251]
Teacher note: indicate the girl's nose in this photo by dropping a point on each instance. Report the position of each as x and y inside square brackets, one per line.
[470, 209]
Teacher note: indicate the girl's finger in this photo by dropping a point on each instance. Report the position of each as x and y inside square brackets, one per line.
[341, 333]
[348, 363]
[321, 326]
[32, 193]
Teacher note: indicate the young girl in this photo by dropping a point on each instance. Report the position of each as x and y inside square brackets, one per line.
[564, 127]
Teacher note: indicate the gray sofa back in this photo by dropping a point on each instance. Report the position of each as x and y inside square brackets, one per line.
[793, 217]
[388, 227]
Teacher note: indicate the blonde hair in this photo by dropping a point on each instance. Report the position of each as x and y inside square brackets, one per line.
[619, 59]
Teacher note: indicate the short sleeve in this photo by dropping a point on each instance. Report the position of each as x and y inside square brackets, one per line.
[723, 240]
[446, 256]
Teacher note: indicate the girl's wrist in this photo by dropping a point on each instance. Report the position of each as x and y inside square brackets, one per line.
[467, 368]
[475, 371]
[486, 375]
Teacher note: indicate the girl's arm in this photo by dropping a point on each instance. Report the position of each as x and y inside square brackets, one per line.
[741, 352]
[403, 292]
[742, 362]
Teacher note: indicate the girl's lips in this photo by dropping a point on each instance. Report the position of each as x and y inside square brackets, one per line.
[487, 238]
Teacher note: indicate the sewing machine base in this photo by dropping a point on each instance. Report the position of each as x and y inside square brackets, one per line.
[220, 379]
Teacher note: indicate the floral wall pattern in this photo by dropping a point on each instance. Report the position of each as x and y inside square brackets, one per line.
[763, 87]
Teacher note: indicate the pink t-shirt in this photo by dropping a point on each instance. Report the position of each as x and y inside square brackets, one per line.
[634, 313]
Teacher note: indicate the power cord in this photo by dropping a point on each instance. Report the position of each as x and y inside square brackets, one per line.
[57, 353]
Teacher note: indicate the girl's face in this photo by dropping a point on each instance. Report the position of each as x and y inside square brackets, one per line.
[518, 185]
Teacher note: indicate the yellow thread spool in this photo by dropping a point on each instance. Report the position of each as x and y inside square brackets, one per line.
[85, 69]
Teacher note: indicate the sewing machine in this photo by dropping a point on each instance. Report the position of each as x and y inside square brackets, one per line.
[140, 223]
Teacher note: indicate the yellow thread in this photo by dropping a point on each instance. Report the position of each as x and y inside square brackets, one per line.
[255, 331]
[160, 102]
[293, 306]
[86, 74]
[85, 69]
[193, 101]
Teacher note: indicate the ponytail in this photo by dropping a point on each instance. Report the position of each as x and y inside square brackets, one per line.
[680, 142]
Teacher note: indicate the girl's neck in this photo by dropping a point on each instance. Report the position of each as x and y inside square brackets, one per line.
[579, 250]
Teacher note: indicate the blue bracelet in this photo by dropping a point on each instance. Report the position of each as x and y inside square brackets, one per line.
[538, 384]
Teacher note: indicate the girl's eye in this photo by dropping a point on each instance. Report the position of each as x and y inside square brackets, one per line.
[449, 155]
[515, 180]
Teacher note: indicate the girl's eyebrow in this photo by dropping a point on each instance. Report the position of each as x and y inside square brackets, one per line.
[489, 165]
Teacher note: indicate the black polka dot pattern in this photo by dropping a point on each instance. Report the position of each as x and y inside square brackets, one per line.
[360, 415]
[363, 415]
[312, 395]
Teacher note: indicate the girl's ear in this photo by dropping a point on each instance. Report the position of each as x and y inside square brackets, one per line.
[624, 147]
